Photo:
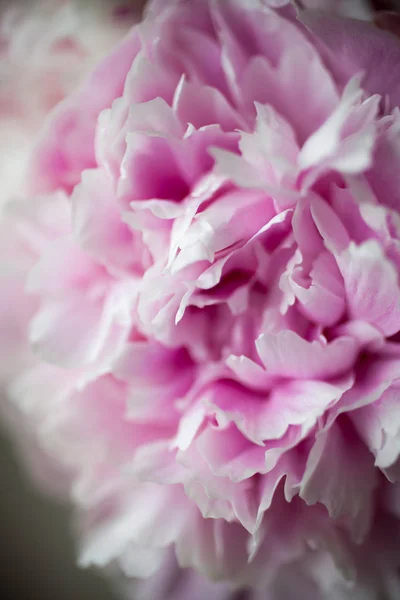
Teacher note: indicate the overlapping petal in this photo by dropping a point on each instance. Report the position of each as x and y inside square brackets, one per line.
[206, 300]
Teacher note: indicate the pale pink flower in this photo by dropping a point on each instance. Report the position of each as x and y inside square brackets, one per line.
[208, 270]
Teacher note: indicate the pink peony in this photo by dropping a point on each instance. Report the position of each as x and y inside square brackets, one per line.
[206, 306]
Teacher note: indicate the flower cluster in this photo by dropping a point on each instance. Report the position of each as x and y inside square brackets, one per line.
[206, 303]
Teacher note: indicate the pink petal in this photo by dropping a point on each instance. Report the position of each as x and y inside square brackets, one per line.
[141, 522]
[98, 224]
[329, 226]
[68, 146]
[229, 454]
[268, 417]
[345, 142]
[340, 475]
[288, 355]
[379, 427]
[372, 287]
[323, 300]
[351, 46]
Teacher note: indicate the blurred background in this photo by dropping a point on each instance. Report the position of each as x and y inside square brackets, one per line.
[37, 549]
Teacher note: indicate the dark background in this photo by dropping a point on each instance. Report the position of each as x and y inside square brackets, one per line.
[37, 549]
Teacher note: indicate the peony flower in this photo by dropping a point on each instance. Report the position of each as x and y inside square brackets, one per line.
[207, 299]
